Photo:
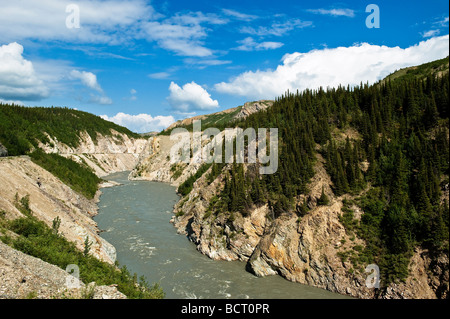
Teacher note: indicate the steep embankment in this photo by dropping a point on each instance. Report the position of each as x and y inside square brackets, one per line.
[23, 276]
[19, 176]
[102, 147]
[106, 155]
[155, 162]
[307, 250]
[368, 154]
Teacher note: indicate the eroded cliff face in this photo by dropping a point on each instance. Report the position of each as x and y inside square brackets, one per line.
[155, 164]
[19, 175]
[23, 276]
[306, 250]
[108, 154]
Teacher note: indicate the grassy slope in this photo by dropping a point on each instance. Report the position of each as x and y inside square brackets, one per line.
[421, 71]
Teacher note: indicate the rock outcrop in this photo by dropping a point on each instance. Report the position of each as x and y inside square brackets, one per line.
[253, 107]
[19, 176]
[241, 113]
[306, 250]
[23, 276]
[108, 154]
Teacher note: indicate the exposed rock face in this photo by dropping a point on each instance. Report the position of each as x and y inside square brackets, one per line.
[155, 164]
[19, 175]
[253, 107]
[246, 110]
[304, 250]
[24, 276]
[109, 154]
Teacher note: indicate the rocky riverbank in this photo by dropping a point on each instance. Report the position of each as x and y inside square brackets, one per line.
[23, 276]
[306, 250]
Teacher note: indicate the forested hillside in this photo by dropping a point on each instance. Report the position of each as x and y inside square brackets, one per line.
[386, 148]
[21, 128]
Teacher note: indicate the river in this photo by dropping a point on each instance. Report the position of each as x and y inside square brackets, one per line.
[135, 218]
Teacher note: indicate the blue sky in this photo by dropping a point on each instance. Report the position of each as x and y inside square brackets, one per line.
[145, 64]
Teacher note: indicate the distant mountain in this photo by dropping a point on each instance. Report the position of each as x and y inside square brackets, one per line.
[223, 118]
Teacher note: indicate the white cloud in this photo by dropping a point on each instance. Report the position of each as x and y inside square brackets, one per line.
[182, 33]
[141, 123]
[430, 33]
[443, 22]
[190, 97]
[185, 40]
[332, 67]
[110, 21]
[335, 12]
[159, 75]
[196, 18]
[103, 100]
[87, 78]
[277, 28]
[248, 44]
[203, 63]
[18, 79]
[239, 15]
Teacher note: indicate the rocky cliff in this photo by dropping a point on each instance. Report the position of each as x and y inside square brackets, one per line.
[23, 276]
[307, 250]
[106, 155]
[222, 117]
[19, 175]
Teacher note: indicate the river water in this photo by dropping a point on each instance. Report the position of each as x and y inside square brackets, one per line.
[135, 218]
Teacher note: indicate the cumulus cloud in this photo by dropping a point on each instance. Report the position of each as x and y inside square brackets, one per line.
[89, 79]
[190, 97]
[141, 123]
[109, 21]
[18, 79]
[248, 44]
[333, 67]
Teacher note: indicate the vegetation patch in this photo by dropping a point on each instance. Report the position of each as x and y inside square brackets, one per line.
[80, 178]
[35, 238]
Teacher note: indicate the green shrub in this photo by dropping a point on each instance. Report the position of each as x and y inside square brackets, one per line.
[38, 240]
[80, 178]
